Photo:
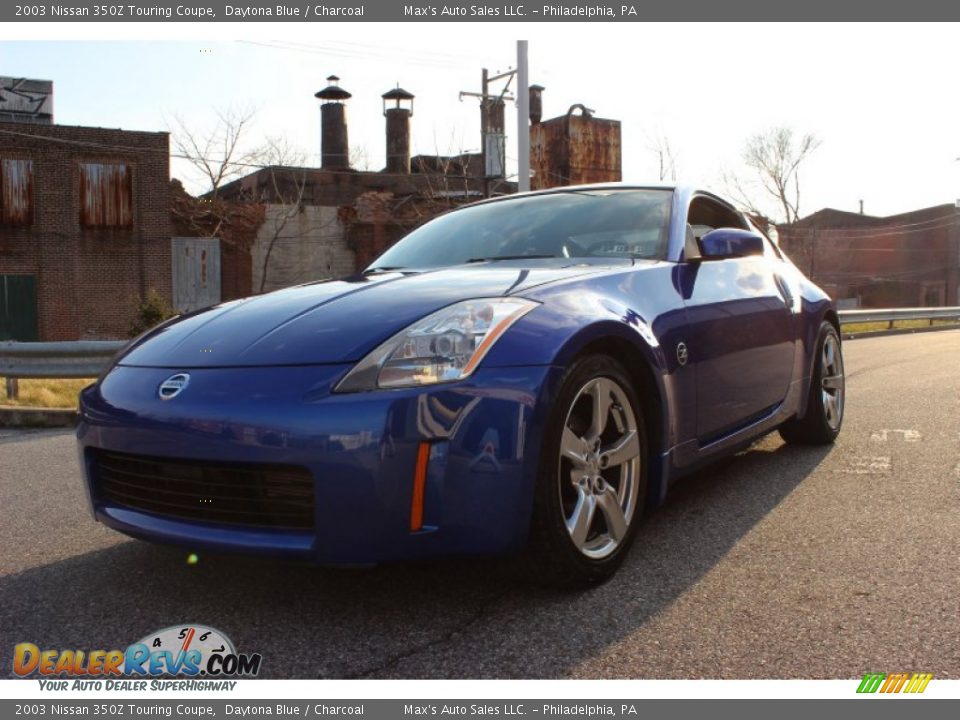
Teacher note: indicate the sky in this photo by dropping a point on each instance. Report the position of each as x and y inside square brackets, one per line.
[882, 99]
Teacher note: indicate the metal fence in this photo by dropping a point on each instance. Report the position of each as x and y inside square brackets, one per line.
[87, 359]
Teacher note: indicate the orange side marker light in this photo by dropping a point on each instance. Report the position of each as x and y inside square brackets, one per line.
[419, 486]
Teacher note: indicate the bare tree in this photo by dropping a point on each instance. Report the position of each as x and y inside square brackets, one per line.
[666, 158]
[284, 195]
[775, 157]
[360, 159]
[268, 211]
[218, 153]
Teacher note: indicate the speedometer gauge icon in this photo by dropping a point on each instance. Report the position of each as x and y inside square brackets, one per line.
[181, 639]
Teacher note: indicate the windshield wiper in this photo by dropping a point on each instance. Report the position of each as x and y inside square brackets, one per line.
[385, 268]
[509, 257]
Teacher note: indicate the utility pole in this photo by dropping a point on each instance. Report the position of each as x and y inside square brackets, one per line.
[492, 125]
[523, 118]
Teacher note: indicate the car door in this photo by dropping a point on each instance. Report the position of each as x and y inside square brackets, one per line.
[741, 336]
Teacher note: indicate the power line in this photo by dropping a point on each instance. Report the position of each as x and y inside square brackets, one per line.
[418, 59]
[259, 166]
[869, 231]
[376, 49]
[865, 274]
[885, 231]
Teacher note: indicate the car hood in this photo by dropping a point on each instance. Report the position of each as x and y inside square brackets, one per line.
[329, 322]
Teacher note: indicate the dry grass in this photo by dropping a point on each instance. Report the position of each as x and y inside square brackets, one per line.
[857, 328]
[45, 393]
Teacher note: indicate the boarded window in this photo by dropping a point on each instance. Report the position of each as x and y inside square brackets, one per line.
[105, 195]
[16, 192]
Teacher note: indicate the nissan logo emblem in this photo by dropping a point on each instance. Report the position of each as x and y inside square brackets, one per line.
[173, 386]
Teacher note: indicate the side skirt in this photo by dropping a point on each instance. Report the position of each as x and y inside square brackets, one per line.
[690, 456]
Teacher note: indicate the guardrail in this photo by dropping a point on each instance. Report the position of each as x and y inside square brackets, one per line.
[81, 359]
[56, 359]
[891, 315]
[85, 359]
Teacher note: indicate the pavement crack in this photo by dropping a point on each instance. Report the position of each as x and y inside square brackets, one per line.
[474, 618]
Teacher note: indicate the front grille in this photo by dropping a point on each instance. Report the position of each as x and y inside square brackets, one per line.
[250, 494]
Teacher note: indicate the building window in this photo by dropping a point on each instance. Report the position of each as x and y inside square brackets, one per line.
[105, 195]
[16, 192]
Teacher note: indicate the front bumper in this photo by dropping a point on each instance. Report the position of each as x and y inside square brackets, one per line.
[360, 449]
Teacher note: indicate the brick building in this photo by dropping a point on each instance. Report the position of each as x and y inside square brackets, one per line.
[84, 227]
[90, 222]
[321, 223]
[333, 220]
[906, 260]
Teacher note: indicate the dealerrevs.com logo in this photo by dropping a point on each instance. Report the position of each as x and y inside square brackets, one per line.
[181, 651]
[910, 683]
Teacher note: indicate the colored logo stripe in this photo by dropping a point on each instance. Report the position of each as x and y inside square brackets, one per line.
[871, 682]
[894, 682]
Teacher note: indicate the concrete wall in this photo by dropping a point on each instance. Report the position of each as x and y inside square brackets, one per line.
[309, 244]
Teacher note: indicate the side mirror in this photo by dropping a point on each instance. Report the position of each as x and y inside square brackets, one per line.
[725, 243]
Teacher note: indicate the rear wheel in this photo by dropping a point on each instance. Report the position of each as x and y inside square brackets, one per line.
[593, 471]
[825, 404]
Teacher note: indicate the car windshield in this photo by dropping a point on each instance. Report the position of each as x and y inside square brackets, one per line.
[604, 223]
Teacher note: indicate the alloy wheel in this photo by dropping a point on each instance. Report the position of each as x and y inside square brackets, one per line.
[599, 469]
[832, 381]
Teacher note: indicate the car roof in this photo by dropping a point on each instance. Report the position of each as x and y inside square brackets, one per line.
[685, 190]
[590, 186]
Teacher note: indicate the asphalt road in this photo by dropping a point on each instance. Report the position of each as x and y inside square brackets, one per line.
[782, 562]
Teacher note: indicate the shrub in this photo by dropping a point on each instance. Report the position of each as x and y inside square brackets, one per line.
[148, 312]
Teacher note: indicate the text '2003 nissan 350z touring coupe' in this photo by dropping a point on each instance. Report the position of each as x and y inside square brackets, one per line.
[526, 372]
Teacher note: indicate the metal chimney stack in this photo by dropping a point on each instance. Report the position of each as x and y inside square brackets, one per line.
[536, 103]
[398, 109]
[334, 146]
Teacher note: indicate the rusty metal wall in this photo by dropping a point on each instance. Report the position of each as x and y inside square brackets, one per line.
[16, 192]
[573, 150]
[196, 272]
[105, 195]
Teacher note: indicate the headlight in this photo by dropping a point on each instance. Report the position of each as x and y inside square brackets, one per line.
[442, 347]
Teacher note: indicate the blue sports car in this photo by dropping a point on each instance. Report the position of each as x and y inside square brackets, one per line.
[525, 372]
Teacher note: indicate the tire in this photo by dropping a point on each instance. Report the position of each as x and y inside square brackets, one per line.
[588, 500]
[825, 404]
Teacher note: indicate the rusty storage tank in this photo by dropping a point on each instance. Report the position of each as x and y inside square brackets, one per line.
[574, 149]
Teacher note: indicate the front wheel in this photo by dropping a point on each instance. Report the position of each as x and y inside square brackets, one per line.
[825, 404]
[593, 476]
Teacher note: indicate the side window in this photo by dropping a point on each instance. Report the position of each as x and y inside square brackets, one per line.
[706, 214]
[16, 192]
[105, 195]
